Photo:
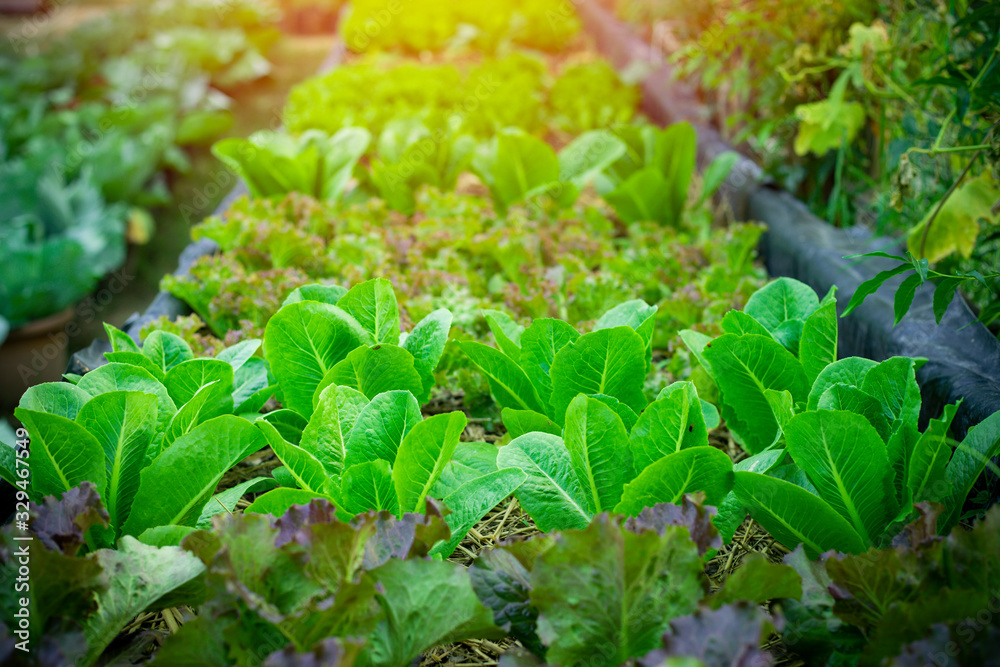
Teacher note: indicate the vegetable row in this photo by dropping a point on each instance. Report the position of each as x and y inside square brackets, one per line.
[93, 122]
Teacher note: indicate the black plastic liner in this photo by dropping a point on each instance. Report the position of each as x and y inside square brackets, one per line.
[963, 357]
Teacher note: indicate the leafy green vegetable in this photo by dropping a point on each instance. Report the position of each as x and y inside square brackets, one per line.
[668, 479]
[273, 164]
[650, 181]
[181, 480]
[351, 343]
[598, 449]
[551, 493]
[856, 455]
[745, 367]
[608, 593]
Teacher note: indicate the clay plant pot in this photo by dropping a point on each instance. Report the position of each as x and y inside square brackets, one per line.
[32, 354]
[22, 7]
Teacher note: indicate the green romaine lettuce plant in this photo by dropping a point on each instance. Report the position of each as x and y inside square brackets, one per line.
[154, 431]
[583, 432]
[409, 154]
[314, 163]
[351, 429]
[382, 455]
[650, 180]
[518, 167]
[837, 460]
[329, 336]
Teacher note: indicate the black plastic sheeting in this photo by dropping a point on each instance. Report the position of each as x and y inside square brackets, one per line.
[963, 357]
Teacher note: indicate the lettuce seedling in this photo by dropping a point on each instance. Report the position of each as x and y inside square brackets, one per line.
[154, 431]
[583, 432]
[837, 458]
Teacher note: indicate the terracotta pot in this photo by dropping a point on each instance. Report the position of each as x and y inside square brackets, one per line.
[32, 354]
[22, 6]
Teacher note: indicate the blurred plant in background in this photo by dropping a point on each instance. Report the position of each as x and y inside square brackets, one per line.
[879, 113]
[93, 125]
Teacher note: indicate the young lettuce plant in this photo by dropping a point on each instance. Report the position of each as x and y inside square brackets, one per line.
[608, 593]
[327, 335]
[409, 155]
[583, 432]
[352, 432]
[154, 431]
[314, 163]
[518, 167]
[381, 455]
[837, 460]
[650, 180]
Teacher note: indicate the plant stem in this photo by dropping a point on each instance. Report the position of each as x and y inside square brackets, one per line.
[954, 186]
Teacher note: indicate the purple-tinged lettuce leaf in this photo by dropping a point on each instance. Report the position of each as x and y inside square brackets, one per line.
[501, 578]
[689, 513]
[730, 636]
[607, 594]
[412, 536]
[892, 596]
[62, 525]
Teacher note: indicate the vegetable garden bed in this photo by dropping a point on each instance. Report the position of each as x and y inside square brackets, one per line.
[456, 393]
[963, 356]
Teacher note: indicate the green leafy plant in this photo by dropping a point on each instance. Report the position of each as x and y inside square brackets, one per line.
[143, 421]
[80, 604]
[650, 180]
[631, 589]
[273, 163]
[830, 438]
[517, 166]
[351, 431]
[60, 238]
[411, 155]
[582, 430]
[326, 335]
[619, 585]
